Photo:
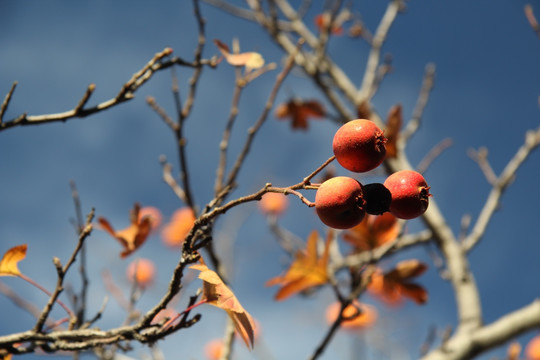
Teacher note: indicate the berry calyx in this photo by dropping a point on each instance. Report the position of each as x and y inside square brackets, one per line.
[359, 145]
[340, 203]
[410, 194]
[378, 198]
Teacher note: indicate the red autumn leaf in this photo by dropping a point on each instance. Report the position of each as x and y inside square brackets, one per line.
[251, 60]
[394, 286]
[373, 231]
[393, 125]
[132, 237]
[307, 270]
[8, 264]
[299, 111]
[216, 293]
[321, 21]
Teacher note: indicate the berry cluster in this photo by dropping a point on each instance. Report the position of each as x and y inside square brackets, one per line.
[342, 202]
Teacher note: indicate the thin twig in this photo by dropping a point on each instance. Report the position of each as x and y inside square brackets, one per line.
[435, 152]
[126, 93]
[480, 157]
[532, 141]
[161, 112]
[6, 101]
[89, 90]
[370, 74]
[532, 19]
[262, 118]
[170, 180]
[421, 102]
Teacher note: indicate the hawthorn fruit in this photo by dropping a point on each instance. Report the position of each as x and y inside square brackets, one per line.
[340, 203]
[410, 194]
[359, 145]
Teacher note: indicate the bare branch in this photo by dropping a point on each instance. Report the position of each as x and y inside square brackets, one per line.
[370, 74]
[532, 140]
[480, 156]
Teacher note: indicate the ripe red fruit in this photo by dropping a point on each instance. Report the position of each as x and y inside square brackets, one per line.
[359, 145]
[339, 202]
[410, 194]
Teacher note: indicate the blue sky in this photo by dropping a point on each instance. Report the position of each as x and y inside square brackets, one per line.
[486, 94]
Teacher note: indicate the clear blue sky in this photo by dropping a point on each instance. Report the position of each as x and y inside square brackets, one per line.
[486, 94]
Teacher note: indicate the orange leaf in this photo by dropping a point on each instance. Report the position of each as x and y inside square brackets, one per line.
[299, 111]
[393, 125]
[216, 293]
[132, 237]
[306, 271]
[394, 286]
[356, 315]
[407, 269]
[251, 60]
[174, 233]
[8, 264]
[373, 231]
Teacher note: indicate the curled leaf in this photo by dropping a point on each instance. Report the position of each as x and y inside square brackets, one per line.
[216, 293]
[251, 60]
[393, 125]
[8, 264]
[307, 270]
[299, 111]
[373, 231]
[132, 237]
[395, 285]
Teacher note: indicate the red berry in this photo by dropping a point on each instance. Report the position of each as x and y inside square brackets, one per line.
[410, 194]
[339, 202]
[359, 145]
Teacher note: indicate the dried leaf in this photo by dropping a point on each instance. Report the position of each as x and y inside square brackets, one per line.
[299, 111]
[251, 60]
[132, 237]
[393, 125]
[363, 110]
[394, 286]
[8, 264]
[407, 269]
[307, 270]
[216, 293]
[373, 231]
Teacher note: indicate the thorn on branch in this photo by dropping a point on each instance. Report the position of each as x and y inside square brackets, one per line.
[85, 98]
[6, 101]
